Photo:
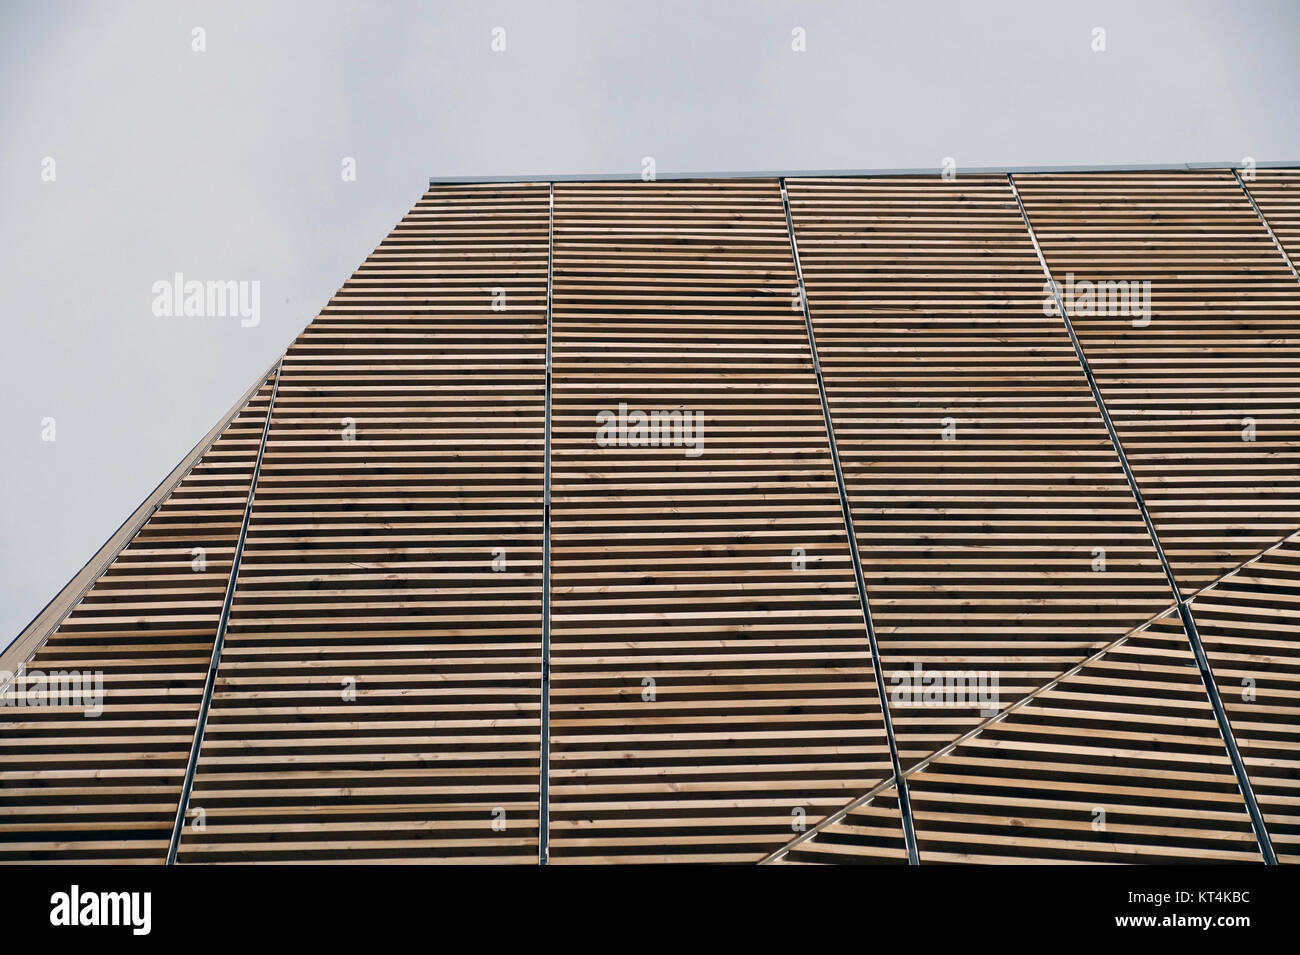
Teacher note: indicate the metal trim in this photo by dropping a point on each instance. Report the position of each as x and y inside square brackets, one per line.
[219, 639]
[904, 801]
[850, 173]
[544, 773]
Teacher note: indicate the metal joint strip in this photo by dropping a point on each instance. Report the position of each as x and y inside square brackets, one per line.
[904, 801]
[544, 772]
[220, 638]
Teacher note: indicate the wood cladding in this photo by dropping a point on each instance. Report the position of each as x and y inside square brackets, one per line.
[1277, 194]
[1250, 626]
[711, 676]
[712, 693]
[378, 694]
[1119, 762]
[104, 789]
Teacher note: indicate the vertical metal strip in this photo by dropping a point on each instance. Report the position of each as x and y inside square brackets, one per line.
[220, 638]
[544, 772]
[1267, 228]
[1184, 611]
[904, 801]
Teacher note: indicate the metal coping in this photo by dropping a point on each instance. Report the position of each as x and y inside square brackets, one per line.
[855, 173]
[200, 724]
[1184, 611]
[904, 802]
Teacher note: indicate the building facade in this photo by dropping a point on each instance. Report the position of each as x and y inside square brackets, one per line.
[757, 519]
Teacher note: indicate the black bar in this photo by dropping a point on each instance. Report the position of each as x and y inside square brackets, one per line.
[1267, 228]
[264, 905]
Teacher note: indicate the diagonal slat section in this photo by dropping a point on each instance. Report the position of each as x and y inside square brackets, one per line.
[1250, 628]
[1119, 762]
[1277, 194]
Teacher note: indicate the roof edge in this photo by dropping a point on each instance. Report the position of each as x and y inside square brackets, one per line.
[24, 646]
[847, 173]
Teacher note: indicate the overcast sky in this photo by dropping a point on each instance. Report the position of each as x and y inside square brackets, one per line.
[226, 163]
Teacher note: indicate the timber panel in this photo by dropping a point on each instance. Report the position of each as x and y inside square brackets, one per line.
[720, 581]
[713, 692]
[860, 838]
[1205, 395]
[1250, 628]
[1119, 762]
[997, 531]
[103, 789]
[1277, 193]
[379, 694]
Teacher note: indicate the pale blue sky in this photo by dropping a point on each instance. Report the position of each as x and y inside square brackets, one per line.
[225, 165]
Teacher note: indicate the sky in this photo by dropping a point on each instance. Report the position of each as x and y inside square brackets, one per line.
[133, 147]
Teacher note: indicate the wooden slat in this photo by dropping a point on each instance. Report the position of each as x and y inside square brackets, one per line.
[681, 569]
[927, 301]
[369, 563]
[1222, 347]
[103, 789]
